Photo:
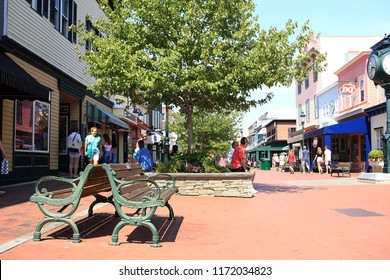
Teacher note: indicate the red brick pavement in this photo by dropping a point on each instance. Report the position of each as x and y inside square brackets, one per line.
[293, 217]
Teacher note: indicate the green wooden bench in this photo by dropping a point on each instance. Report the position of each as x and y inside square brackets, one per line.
[143, 194]
[58, 198]
[342, 167]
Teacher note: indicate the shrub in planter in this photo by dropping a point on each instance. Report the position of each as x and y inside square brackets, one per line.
[375, 155]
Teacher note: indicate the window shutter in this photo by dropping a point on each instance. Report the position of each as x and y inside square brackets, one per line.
[75, 22]
[39, 7]
[52, 12]
[46, 8]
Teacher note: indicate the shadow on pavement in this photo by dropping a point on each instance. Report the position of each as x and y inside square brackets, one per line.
[16, 195]
[102, 224]
[270, 189]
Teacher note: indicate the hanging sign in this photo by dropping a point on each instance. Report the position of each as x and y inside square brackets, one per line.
[347, 89]
[315, 141]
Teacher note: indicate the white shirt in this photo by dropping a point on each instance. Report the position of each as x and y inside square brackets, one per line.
[328, 155]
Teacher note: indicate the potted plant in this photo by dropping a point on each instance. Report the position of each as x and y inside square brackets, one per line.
[376, 160]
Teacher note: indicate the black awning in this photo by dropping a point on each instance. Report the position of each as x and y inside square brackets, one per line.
[16, 83]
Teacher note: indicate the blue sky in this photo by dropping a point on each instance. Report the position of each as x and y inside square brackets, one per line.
[329, 17]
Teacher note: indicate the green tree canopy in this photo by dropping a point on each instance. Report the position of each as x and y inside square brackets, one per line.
[213, 132]
[194, 53]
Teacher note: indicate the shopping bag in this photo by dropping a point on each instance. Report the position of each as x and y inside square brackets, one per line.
[4, 167]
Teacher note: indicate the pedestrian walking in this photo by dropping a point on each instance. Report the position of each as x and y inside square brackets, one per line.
[74, 144]
[305, 160]
[107, 146]
[291, 161]
[282, 160]
[93, 147]
[319, 159]
[328, 160]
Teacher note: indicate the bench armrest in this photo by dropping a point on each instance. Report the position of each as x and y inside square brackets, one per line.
[170, 181]
[65, 192]
[43, 194]
[147, 199]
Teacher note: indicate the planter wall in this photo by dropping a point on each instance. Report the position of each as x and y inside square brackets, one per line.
[235, 184]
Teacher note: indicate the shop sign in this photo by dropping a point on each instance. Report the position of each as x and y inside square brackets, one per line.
[315, 141]
[347, 89]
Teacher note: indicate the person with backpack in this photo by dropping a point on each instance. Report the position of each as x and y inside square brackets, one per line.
[74, 144]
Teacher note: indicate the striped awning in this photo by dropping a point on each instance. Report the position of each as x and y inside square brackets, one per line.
[16, 83]
[96, 114]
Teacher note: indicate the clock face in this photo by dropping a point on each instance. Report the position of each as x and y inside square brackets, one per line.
[372, 65]
[386, 63]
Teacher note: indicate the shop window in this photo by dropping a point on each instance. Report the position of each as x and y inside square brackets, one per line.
[378, 138]
[32, 126]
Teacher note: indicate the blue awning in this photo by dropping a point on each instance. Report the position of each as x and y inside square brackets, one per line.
[356, 126]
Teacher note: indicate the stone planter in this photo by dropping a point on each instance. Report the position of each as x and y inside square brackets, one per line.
[235, 184]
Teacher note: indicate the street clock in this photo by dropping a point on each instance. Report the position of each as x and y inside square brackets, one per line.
[378, 64]
[372, 66]
[386, 63]
[378, 70]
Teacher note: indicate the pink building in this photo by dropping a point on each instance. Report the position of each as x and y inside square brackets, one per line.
[345, 63]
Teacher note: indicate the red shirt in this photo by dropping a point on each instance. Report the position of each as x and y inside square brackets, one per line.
[238, 155]
[291, 158]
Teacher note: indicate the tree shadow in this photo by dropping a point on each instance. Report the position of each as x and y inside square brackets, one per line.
[103, 224]
[272, 189]
[16, 195]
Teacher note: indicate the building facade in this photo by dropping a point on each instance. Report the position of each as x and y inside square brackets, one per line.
[44, 88]
[319, 97]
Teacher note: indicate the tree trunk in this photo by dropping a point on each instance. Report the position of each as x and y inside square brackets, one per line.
[190, 128]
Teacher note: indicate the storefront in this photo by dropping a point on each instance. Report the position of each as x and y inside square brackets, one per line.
[348, 141]
[267, 151]
[26, 112]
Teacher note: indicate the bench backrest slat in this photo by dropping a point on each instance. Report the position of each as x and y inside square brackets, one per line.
[97, 182]
[344, 164]
[136, 194]
[133, 187]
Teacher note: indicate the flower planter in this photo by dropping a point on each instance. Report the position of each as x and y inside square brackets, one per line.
[377, 166]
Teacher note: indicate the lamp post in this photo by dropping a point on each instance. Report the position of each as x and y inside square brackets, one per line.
[166, 139]
[302, 117]
[378, 70]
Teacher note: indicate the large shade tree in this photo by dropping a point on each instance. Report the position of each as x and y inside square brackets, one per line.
[194, 53]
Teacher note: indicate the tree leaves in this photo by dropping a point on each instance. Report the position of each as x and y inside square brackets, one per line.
[194, 53]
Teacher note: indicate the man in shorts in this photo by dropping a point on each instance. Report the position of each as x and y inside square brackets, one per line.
[328, 159]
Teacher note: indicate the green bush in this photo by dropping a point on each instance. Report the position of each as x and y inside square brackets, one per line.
[375, 154]
[177, 164]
